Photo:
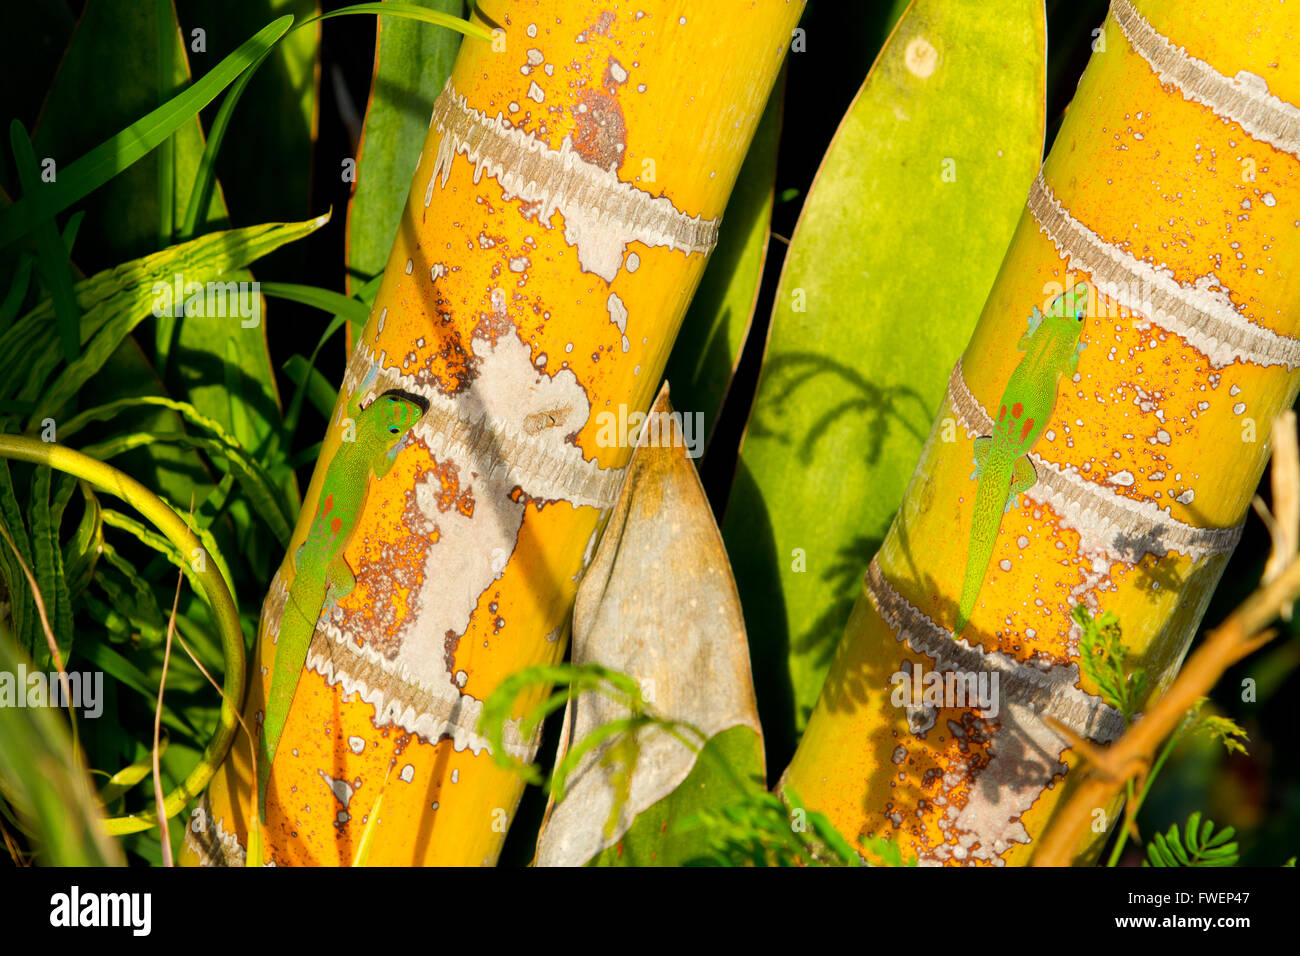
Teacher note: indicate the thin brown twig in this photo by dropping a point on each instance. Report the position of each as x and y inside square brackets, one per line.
[163, 830]
[1244, 631]
[11, 846]
[252, 744]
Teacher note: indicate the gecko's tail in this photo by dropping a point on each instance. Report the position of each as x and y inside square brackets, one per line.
[976, 566]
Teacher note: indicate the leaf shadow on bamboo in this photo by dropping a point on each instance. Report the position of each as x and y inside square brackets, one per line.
[701, 355]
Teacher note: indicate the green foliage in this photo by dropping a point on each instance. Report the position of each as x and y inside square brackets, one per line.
[412, 63]
[1102, 655]
[82, 176]
[720, 815]
[1199, 844]
[1217, 727]
[762, 830]
[45, 793]
[192, 409]
[571, 680]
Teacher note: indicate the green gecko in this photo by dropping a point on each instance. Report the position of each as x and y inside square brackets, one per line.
[1002, 464]
[321, 575]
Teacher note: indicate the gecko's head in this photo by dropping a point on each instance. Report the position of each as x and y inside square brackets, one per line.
[1071, 305]
[1063, 319]
[399, 411]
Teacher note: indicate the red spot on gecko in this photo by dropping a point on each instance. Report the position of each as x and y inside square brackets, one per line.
[1002, 414]
[336, 524]
[1017, 410]
[328, 506]
[1024, 432]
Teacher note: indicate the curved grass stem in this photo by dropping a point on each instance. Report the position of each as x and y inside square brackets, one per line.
[108, 479]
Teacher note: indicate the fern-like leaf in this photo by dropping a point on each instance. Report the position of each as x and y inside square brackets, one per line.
[1199, 844]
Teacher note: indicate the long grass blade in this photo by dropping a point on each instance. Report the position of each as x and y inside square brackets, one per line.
[89, 172]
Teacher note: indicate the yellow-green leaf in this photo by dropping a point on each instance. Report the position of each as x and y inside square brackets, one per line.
[897, 246]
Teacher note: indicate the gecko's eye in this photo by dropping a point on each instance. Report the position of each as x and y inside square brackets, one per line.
[393, 429]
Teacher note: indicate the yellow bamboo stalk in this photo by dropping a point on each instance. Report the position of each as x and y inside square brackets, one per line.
[561, 213]
[1173, 188]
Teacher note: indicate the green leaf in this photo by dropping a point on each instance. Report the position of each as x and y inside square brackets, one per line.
[412, 63]
[47, 568]
[96, 92]
[82, 550]
[253, 480]
[22, 607]
[1199, 844]
[277, 119]
[175, 473]
[1101, 657]
[46, 783]
[353, 310]
[320, 392]
[221, 123]
[126, 778]
[655, 837]
[106, 659]
[51, 255]
[704, 357]
[284, 439]
[241, 465]
[874, 306]
[80, 177]
[116, 300]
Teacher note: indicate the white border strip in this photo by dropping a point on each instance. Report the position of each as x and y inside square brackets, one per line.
[1203, 313]
[400, 697]
[1244, 99]
[602, 212]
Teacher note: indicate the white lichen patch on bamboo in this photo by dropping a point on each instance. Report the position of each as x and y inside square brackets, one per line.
[1105, 521]
[618, 317]
[1202, 313]
[486, 428]
[490, 438]
[602, 213]
[1243, 99]
[981, 804]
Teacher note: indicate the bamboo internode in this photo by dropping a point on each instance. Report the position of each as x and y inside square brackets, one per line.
[1173, 189]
